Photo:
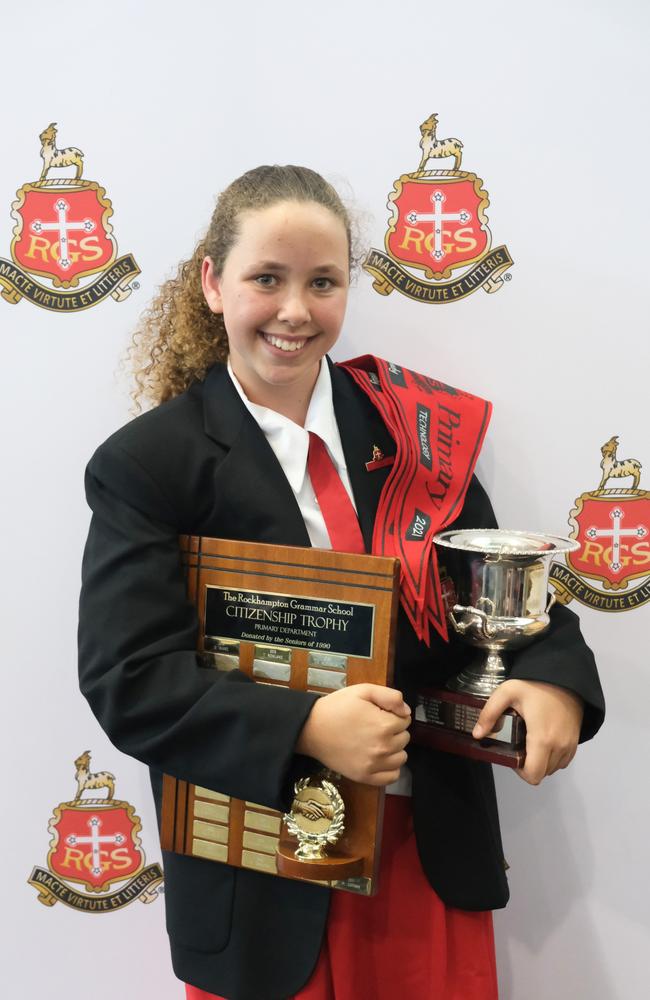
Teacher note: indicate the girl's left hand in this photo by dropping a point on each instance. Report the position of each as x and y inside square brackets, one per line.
[553, 717]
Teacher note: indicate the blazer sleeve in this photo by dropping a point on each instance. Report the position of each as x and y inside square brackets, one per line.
[138, 665]
[560, 656]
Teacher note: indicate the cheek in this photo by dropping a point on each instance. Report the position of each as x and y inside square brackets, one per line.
[250, 305]
[337, 314]
[242, 309]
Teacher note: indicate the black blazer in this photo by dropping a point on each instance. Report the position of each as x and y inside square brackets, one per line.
[200, 464]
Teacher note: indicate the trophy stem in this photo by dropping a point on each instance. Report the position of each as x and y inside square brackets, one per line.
[481, 677]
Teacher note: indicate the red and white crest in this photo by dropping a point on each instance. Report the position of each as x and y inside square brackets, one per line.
[613, 528]
[62, 231]
[95, 844]
[438, 221]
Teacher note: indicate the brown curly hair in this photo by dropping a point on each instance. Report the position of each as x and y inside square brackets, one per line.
[178, 338]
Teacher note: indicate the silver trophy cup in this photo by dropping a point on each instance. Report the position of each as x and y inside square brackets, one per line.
[501, 583]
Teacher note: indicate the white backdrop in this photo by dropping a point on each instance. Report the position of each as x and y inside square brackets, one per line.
[169, 103]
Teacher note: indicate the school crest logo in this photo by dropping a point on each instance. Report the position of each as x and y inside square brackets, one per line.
[95, 847]
[438, 225]
[612, 525]
[63, 233]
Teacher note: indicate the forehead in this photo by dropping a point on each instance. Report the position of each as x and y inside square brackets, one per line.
[291, 226]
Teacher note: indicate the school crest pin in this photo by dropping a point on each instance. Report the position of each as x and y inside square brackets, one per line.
[95, 847]
[612, 525]
[438, 225]
[63, 233]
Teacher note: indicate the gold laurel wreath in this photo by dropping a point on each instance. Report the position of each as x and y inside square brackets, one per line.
[336, 827]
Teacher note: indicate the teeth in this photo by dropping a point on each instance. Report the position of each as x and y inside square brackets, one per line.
[284, 345]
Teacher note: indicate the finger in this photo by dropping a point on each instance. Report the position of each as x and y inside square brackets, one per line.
[392, 742]
[491, 712]
[386, 698]
[536, 764]
[402, 739]
[397, 743]
[561, 759]
[397, 725]
[390, 762]
[382, 778]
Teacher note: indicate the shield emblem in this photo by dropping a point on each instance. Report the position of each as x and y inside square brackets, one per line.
[613, 527]
[438, 222]
[95, 845]
[63, 232]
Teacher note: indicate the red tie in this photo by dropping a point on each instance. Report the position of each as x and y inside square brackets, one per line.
[335, 504]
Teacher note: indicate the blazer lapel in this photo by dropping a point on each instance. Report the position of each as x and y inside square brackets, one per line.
[255, 500]
[361, 427]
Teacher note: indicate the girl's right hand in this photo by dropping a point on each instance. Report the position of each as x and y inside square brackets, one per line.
[360, 732]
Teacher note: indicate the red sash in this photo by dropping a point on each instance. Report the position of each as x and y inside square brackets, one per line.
[438, 433]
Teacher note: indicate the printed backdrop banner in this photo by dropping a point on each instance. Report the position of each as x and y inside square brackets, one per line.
[507, 151]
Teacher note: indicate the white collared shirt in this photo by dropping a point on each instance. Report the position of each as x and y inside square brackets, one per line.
[290, 443]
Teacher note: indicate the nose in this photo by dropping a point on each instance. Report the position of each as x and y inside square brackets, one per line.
[293, 309]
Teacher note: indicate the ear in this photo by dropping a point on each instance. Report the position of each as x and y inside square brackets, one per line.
[211, 284]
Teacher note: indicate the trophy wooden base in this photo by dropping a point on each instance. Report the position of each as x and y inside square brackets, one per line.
[444, 720]
[328, 869]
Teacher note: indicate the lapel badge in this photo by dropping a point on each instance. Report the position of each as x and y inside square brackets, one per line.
[378, 460]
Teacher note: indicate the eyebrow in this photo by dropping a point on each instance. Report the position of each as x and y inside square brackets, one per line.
[272, 265]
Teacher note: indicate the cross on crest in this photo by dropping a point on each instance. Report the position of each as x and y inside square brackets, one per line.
[62, 226]
[616, 533]
[438, 217]
[95, 840]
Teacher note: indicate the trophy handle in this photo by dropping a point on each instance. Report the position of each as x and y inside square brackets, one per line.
[551, 601]
[488, 629]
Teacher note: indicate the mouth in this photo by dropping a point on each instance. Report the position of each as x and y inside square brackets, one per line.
[285, 345]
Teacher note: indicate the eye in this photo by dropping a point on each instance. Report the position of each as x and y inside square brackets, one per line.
[328, 283]
[265, 280]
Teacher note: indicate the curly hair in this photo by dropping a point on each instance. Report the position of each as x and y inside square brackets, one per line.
[178, 338]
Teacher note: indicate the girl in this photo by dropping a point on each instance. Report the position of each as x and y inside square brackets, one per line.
[234, 352]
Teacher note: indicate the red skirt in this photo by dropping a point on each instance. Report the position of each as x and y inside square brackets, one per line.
[404, 942]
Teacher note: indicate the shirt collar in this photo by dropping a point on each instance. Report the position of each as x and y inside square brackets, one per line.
[289, 441]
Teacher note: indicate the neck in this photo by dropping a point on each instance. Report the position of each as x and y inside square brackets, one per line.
[292, 402]
[291, 399]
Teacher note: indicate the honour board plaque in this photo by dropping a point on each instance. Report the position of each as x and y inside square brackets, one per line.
[303, 618]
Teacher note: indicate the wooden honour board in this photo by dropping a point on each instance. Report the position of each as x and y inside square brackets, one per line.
[221, 573]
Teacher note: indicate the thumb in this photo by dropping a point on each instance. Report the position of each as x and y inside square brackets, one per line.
[386, 698]
[492, 711]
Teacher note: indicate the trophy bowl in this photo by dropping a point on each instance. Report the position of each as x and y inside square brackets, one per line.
[501, 583]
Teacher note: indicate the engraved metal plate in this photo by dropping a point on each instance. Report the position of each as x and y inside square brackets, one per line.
[272, 671]
[216, 644]
[220, 654]
[209, 810]
[260, 862]
[306, 622]
[262, 821]
[210, 831]
[362, 886]
[207, 849]
[461, 718]
[260, 842]
[275, 654]
[330, 679]
[329, 661]
[207, 793]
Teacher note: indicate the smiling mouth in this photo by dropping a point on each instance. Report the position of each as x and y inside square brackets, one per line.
[285, 344]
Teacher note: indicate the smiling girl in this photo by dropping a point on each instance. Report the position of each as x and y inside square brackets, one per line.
[232, 354]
